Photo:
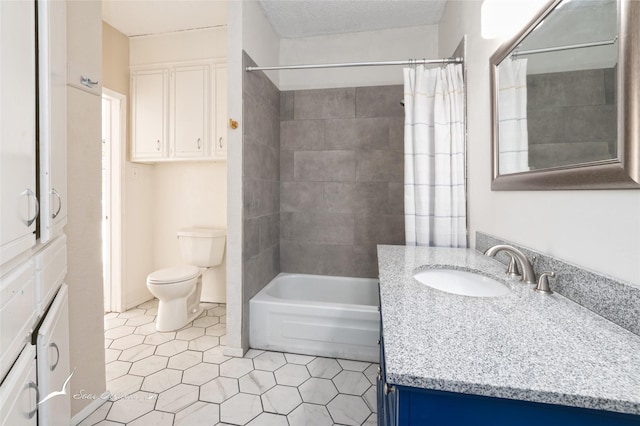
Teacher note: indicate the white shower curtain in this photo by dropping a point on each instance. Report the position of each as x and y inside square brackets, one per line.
[513, 154]
[434, 191]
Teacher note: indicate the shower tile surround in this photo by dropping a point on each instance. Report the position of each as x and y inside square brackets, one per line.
[261, 187]
[341, 173]
[614, 300]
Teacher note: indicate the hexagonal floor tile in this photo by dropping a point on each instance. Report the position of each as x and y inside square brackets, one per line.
[127, 342]
[155, 418]
[372, 373]
[204, 343]
[236, 367]
[149, 365]
[146, 329]
[113, 323]
[269, 419]
[252, 353]
[161, 380]
[97, 416]
[257, 382]
[218, 390]
[371, 398]
[206, 322]
[130, 408]
[348, 410]
[299, 359]
[198, 413]
[137, 353]
[123, 386]
[269, 361]
[348, 364]
[184, 360]
[190, 333]
[292, 375]
[171, 348]
[215, 355]
[351, 382]
[281, 399]
[177, 398]
[217, 330]
[200, 374]
[310, 415]
[140, 320]
[240, 409]
[132, 313]
[159, 338]
[325, 368]
[218, 312]
[111, 355]
[121, 331]
[116, 369]
[318, 391]
[153, 303]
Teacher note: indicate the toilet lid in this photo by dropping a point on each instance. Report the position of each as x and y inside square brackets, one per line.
[172, 275]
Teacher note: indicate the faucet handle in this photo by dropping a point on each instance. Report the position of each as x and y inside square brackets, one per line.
[512, 270]
[543, 283]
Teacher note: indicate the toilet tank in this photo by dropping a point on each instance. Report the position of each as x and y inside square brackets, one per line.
[202, 247]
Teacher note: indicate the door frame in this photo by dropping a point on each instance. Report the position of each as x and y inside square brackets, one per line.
[117, 152]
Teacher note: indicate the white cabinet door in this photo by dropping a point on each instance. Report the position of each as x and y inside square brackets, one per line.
[149, 116]
[221, 110]
[53, 363]
[189, 111]
[19, 393]
[18, 210]
[52, 61]
[84, 41]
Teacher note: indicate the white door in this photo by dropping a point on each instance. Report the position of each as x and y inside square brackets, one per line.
[189, 112]
[19, 392]
[149, 90]
[52, 62]
[53, 363]
[19, 207]
[221, 110]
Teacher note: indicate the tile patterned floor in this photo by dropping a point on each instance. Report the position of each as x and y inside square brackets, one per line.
[183, 378]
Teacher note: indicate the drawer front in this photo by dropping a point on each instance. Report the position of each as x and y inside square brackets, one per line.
[51, 268]
[19, 393]
[17, 313]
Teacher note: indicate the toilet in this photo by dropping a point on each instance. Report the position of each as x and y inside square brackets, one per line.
[178, 289]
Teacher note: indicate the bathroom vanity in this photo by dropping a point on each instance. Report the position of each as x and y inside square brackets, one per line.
[522, 358]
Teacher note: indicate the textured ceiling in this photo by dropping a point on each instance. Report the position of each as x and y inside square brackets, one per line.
[140, 17]
[304, 18]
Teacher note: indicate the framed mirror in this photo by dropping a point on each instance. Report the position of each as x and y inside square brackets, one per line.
[566, 99]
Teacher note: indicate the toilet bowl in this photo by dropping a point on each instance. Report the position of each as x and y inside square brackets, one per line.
[178, 289]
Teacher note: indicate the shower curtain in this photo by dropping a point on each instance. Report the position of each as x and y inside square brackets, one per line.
[513, 154]
[434, 184]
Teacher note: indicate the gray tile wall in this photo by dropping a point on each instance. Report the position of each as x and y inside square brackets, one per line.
[571, 117]
[261, 184]
[341, 172]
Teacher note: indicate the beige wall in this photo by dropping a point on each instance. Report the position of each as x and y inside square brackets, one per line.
[599, 230]
[165, 197]
[84, 276]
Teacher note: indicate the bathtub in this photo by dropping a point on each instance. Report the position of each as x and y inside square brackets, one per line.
[317, 315]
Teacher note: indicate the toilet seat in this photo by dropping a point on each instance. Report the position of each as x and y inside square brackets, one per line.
[173, 275]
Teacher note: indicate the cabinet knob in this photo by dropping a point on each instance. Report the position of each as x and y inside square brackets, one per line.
[158, 144]
[30, 194]
[57, 195]
[198, 143]
[33, 412]
[388, 388]
[220, 142]
[86, 81]
[55, 364]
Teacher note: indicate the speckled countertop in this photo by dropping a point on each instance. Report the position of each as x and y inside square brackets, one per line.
[525, 345]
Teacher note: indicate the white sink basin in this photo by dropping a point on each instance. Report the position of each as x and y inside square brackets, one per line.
[462, 282]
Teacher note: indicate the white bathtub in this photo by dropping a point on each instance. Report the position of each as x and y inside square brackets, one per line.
[317, 315]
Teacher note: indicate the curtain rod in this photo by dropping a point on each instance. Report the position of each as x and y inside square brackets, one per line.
[568, 47]
[358, 64]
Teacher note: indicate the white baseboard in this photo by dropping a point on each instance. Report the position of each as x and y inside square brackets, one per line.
[86, 411]
[235, 352]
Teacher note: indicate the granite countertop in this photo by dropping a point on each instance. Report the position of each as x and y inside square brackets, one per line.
[525, 345]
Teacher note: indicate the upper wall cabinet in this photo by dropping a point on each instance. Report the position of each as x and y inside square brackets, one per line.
[179, 112]
[19, 207]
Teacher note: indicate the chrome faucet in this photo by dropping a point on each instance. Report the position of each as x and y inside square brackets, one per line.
[528, 276]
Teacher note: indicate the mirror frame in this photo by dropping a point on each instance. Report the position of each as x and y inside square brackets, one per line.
[622, 172]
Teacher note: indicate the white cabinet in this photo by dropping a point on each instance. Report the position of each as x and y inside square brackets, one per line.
[53, 363]
[52, 118]
[176, 112]
[19, 207]
[19, 392]
[149, 89]
[221, 110]
[190, 111]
